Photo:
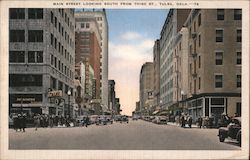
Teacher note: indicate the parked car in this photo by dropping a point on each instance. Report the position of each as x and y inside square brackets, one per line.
[232, 131]
[101, 120]
[135, 117]
[93, 119]
[109, 119]
[160, 120]
[118, 118]
[124, 119]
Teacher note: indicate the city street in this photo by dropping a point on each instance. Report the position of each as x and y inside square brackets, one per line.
[136, 135]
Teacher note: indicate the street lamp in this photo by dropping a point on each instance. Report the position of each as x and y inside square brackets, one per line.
[182, 97]
[69, 93]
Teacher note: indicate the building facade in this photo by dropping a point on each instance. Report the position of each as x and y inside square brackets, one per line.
[214, 49]
[88, 49]
[102, 22]
[112, 96]
[156, 53]
[41, 60]
[146, 87]
[173, 23]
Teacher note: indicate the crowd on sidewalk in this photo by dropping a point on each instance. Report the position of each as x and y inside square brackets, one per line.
[43, 120]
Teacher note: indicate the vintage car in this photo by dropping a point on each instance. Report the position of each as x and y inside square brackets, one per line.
[160, 120]
[124, 119]
[232, 131]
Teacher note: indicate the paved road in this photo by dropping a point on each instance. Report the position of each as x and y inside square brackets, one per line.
[137, 135]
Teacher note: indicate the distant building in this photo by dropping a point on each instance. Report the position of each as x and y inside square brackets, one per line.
[112, 96]
[146, 87]
[156, 92]
[41, 60]
[101, 18]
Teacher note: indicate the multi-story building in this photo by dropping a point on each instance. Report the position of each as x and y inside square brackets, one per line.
[156, 93]
[100, 16]
[41, 60]
[214, 42]
[173, 24]
[146, 87]
[88, 49]
[112, 96]
[118, 105]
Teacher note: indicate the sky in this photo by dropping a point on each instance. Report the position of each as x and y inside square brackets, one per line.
[132, 33]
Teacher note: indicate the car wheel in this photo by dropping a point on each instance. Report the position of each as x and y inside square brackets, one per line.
[221, 138]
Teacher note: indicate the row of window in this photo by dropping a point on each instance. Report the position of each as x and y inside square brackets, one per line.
[60, 66]
[221, 14]
[219, 58]
[32, 57]
[19, 13]
[58, 85]
[60, 48]
[220, 35]
[219, 81]
[19, 35]
[23, 80]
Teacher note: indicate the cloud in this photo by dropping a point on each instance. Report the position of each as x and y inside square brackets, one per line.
[131, 36]
[125, 61]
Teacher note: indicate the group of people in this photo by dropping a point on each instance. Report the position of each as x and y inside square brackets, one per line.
[19, 121]
[185, 119]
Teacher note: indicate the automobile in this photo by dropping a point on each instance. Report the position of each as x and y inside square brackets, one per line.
[80, 120]
[117, 118]
[124, 119]
[101, 120]
[151, 118]
[109, 119]
[135, 117]
[160, 120]
[93, 119]
[232, 131]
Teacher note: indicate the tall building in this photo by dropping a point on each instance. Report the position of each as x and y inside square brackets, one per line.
[112, 96]
[88, 49]
[100, 16]
[41, 60]
[173, 23]
[146, 87]
[156, 52]
[214, 42]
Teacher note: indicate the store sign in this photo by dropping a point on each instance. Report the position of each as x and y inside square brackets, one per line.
[25, 99]
[55, 93]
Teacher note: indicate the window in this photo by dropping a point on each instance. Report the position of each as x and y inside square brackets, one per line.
[16, 57]
[218, 81]
[219, 58]
[59, 27]
[238, 81]
[238, 60]
[35, 57]
[199, 85]
[217, 101]
[17, 36]
[199, 40]
[82, 25]
[55, 44]
[238, 108]
[199, 61]
[199, 20]
[55, 22]
[17, 13]
[35, 13]
[52, 83]
[51, 17]
[87, 25]
[237, 14]
[238, 37]
[25, 80]
[60, 85]
[220, 14]
[51, 60]
[51, 39]
[59, 65]
[55, 62]
[35, 35]
[219, 35]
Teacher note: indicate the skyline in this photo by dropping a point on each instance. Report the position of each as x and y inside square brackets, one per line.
[132, 33]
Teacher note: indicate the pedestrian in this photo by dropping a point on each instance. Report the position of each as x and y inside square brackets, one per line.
[18, 122]
[182, 121]
[190, 121]
[51, 121]
[87, 121]
[200, 121]
[37, 121]
[15, 119]
[23, 122]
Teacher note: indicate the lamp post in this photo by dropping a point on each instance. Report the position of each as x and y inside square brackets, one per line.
[69, 93]
[182, 97]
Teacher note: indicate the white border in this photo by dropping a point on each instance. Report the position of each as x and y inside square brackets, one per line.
[122, 154]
